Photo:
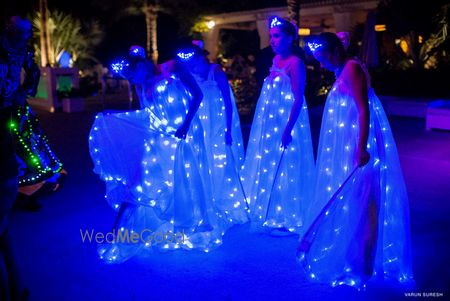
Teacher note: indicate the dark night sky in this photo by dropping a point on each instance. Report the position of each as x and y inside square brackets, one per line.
[121, 31]
[93, 8]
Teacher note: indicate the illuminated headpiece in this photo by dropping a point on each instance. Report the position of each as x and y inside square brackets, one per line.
[190, 50]
[275, 22]
[118, 67]
[185, 55]
[136, 51]
[313, 46]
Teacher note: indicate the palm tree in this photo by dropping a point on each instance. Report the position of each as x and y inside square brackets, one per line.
[64, 33]
[294, 11]
[118, 9]
[438, 40]
[185, 11]
[44, 38]
[150, 11]
[410, 21]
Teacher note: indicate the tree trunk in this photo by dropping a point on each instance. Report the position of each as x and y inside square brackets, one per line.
[151, 15]
[294, 11]
[44, 39]
[154, 37]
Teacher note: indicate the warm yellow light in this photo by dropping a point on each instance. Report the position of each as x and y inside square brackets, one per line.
[210, 24]
[404, 46]
[304, 31]
[380, 27]
[420, 39]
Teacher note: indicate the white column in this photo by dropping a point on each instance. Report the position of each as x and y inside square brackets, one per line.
[263, 33]
[211, 40]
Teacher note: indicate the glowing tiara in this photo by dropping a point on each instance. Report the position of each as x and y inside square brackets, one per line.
[275, 22]
[118, 66]
[137, 51]
[185, 56]
[313, 46]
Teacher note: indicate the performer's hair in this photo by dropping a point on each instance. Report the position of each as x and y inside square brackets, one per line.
[285, 26]
[330, 42]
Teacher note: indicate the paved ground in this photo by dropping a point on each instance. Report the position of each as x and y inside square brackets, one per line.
[56, 265]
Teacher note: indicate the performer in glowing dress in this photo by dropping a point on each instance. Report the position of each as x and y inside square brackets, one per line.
[360, 215]
[223, 137]
[156, 169]
[279, 164]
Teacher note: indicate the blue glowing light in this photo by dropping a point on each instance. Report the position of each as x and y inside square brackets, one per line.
[137, 51]
[185, 56]
[275, 22]
[117, 67]
[313, 46]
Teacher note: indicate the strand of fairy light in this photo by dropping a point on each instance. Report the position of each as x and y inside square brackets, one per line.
[31, 153]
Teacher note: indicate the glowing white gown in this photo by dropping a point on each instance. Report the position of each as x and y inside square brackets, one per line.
[278, 184]
[163, 181]
[224, 161]
[364, 230]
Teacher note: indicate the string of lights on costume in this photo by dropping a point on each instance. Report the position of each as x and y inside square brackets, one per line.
[277, 181]
[364, 231]
[160, 183]
[37, 162]
[224, 161]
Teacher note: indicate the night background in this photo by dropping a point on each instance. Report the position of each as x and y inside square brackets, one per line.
[410, 72]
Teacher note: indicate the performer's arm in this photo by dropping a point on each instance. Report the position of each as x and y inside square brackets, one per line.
[298, 77]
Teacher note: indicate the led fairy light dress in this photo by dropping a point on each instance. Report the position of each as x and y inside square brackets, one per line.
[37, 162]
[277, 184]
[365, 227]
[224, 161]
[164, 179]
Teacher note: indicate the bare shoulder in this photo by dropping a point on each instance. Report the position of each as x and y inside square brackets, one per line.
[354, 75]
[353, 68]
[353, 72]
[293, 59]
[295, 63]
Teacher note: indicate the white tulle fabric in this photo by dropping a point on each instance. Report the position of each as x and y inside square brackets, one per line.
[224, 161]
[278, 183]
[160, 183]
[363, 231]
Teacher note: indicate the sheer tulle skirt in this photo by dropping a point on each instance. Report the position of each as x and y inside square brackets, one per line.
[362, 231]
[278, 182]
[224, 161]
[160, 183]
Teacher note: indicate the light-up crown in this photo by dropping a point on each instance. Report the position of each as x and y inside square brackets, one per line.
[119, 66]
[137, 51]
[313, 46]
[185, 56]
[275, 22]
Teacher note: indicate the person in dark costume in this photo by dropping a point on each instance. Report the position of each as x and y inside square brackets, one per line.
[39, 169]
[17, 31]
